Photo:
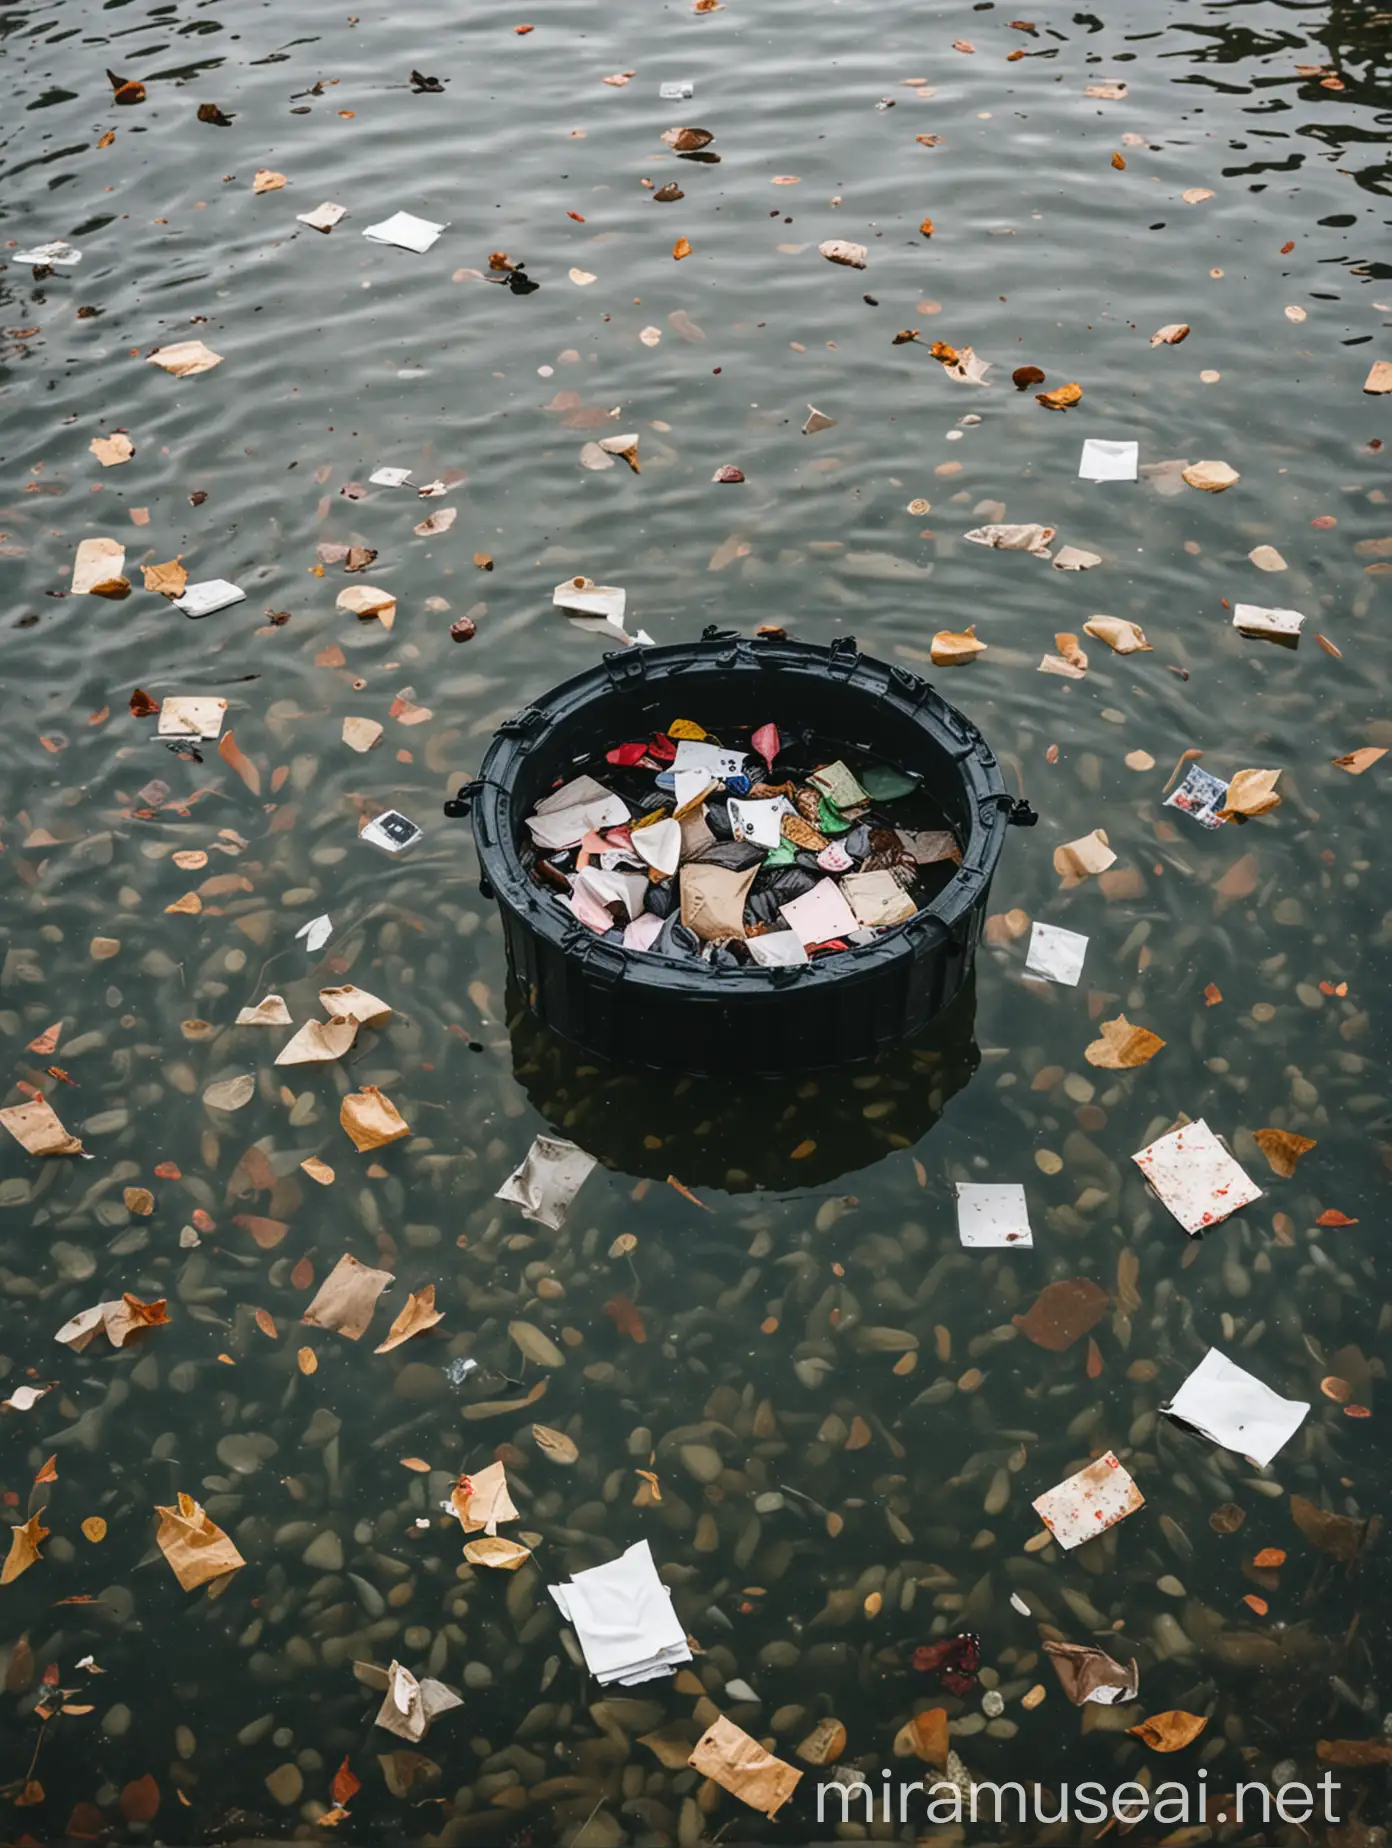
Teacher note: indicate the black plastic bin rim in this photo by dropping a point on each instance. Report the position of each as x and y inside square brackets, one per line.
[990, 807]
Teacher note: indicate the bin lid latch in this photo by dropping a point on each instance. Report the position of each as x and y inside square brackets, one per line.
[602, 962]
[625, 664]
[1021, 814]
[530, 719]
[843, 656]
[460, 804]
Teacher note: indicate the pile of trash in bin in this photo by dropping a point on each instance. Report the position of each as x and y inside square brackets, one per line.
[739, 851]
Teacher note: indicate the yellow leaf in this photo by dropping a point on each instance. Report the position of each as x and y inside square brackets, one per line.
[307, 1360]
[94, 1528]
[1060, 398]
[24, 1548]
[1360, 760]
[1118, 162]
[419, 1314]
[952, 649]
[1251, 792]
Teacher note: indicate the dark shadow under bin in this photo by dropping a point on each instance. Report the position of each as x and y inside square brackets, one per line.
[634, 1008]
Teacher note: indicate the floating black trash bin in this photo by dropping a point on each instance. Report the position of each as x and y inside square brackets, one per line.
[636, 1008]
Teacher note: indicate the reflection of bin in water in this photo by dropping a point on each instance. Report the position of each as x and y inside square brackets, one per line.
[740, 1134]
[639, 1008]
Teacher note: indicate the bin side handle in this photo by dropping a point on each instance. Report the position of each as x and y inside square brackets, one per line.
[461, 803]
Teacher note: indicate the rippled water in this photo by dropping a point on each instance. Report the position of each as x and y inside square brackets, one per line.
[837, 1292]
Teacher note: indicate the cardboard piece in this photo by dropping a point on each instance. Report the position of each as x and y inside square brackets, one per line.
[727, 1755]
[184, 715]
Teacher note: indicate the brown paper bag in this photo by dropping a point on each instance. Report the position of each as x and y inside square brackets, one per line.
[727, 1755]
[347, 1298]
[712, 900]
[195, 1546]
[372, 1119]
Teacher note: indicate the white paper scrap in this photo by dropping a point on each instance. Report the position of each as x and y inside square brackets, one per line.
[184, 715]
[761, 821]
[697, 754]
[58, 255]
[1108, 461]
[1253, 619]
[567, 827]
[659, 844]
[993, 1215]
[622, 1615]
[547, 1180]
[1195, 1176]
[213, 594]
[1089, 1503]
[680, 91]
[324, 217]
[1235, 1409]
[390, 477]
[405, 231]
[1056, 954]
[316, 933]
[777, 949]
[820, 915]
[583, 597]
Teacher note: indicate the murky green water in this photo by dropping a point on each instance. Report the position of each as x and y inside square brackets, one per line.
[766, 1316]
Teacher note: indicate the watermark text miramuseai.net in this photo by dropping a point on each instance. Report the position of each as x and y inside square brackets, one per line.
[854, 1799]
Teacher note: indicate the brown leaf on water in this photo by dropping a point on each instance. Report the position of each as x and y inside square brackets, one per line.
[195, 1546]
[1062, 1313]
[1227, 1518]
[49, 1472]
[496, 1551]
[267, 1232]
[926, 229]
[345, 1786]
[1282, 1149]
[554, 1444]
[622, 1245]
[1094, 1359]
[318, 1170]
[112, 450]
[1336, 1534]
[1025, 376]
[1170, 1732]
[1060, 398]
[626, 1317]
[649, 1489]
[1120, 634]
[682, 248]
[1251, 793]
[687, 1194]
[1122, 1047]
[139, 1200]
[1239, 880]
[230, 753]
[140, 1801]
[1171, 334]
[435, 523]
[33, 1792]
[419, 1314]
[1354, 1752]
[1128, 1270]
[1356, 762]
[266, 179]
[24, 1548]
[265, 1321]
[1119, 163]
[307, 1360]
[483, 560]
[925, 1736]
[94, 1529]
[1212, 477]
[418, 1464]
[47, 1042]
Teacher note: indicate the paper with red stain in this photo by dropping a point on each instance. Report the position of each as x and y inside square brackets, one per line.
[1089, 1503]
[1195, 1176]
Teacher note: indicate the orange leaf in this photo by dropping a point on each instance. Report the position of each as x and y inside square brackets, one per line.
[626, 1318]
[681, 248]
[1269, 1558]
[47, 1042]
[32, 1793]
[1212, 995]
[803, 1150]
[230, 753]
[169, 1171]
[265, 1321]
[1333, 1217]
[687, 1194]
[140, 1801]
[302, 1275]
[1094, 1359]
[1170, 1732]
[420, 1466]
[267, 1232]
[1120, 164]
[49, 1472]
[307, 1360]
[1357, 1411]
[94, 1528]
[1060, 399]
[1336, 1389]
[345, 1786]
[1253, 1602]
[1282, 1149]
